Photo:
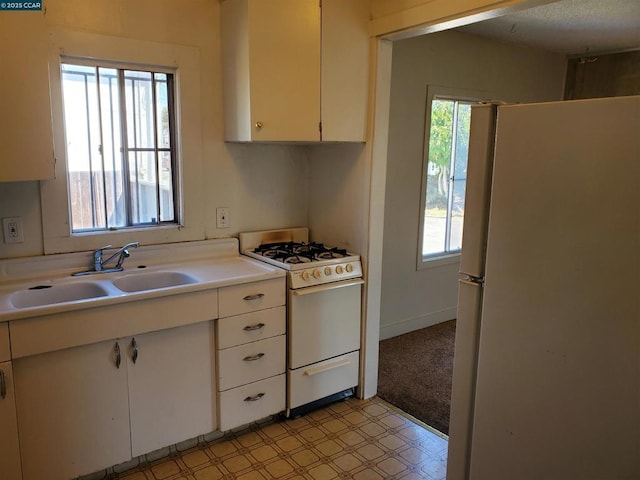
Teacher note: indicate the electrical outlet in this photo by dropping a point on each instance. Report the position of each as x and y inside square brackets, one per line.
[222, 217]
[12, 230]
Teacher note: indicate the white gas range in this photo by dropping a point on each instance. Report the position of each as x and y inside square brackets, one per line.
[323, 314]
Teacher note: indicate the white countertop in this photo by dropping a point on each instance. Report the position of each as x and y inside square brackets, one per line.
[210, 272]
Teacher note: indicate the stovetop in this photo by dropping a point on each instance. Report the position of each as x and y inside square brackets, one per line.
[308, 263]
[299, 252]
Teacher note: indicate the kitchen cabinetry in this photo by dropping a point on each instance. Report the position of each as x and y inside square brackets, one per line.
[251, 352]
[113, 400]
[73, 411]
[26, 138]
[9, 448]
[171, 391]
[295, 71]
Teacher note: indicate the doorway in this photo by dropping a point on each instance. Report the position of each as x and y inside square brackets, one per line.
[419, 289]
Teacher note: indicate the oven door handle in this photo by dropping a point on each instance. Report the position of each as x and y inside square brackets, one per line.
[327, 366]
[327, 286]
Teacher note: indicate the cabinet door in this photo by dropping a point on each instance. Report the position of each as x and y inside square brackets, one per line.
[171, 389]
[345, 70]
[284, 67]
[26, 138]
[9, 451]
[73, 411]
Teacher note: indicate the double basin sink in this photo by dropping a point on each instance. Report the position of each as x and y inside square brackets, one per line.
[98, 286]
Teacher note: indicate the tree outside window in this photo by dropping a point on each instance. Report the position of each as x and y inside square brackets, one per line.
[446, 176]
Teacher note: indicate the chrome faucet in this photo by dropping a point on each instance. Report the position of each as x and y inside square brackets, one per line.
[99, 263]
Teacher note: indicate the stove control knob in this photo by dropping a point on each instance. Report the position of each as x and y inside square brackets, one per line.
[316, 273]
[327, 271]
[349, 268]
[339, 269]
[305, 275]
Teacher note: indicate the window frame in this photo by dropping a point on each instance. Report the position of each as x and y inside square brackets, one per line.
[435, 260]
[125, 148]
[184, 63]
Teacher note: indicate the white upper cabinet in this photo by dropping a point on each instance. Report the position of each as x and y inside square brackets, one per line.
[26, 138]
[345, 70]
[295, 71]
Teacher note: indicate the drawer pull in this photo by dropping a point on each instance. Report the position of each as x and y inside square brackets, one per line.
[328, 366]
[254, 398]
[253, 358]
[255, 296]
[251, 328]
[3, 385]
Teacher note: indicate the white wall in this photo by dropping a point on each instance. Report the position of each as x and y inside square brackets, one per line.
[264, 186]
[412, 298]
[338, 195]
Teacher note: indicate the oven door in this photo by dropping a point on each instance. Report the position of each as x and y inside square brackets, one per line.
[323, 321]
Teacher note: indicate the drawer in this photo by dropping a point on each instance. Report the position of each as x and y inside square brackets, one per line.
[251, 362]
[5, 351]
[252, 402]
[249, 297]
[322, 379]
[251, 327]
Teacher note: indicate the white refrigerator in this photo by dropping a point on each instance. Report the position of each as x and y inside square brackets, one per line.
[546, 381]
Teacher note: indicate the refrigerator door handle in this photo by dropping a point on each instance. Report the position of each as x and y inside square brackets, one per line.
[472, 279]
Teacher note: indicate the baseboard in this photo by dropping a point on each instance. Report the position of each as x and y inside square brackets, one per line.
[416, 323]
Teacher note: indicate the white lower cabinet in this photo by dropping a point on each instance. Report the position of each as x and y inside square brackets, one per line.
[251, 352]
[171, 390]
[251, 362]
[87, 408]
[9, 449]
[248, 403]
[73, 411]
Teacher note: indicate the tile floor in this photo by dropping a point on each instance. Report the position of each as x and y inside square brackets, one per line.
[358, 439]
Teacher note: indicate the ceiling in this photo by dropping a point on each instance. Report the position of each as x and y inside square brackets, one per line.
[572, 27]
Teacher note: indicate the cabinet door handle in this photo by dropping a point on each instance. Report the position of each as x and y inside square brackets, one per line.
[253, 358]
[118, 357]
[254, 398]
[3, 385]
[134, 350]
[251, 328]
[254, 297]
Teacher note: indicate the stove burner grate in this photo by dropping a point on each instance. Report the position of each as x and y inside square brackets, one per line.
[294, 252]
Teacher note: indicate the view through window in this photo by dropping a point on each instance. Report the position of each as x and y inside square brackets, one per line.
[119, 127]
[448, 149]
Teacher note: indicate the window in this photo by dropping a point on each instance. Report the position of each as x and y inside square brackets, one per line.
[445, 175]
[120, 145]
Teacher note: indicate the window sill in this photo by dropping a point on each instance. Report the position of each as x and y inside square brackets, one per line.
[120, 230]
[437, 261]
